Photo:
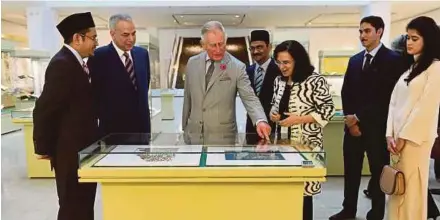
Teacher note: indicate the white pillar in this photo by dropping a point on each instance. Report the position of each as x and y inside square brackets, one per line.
[42, 32]
[42, 36]
[383, 10]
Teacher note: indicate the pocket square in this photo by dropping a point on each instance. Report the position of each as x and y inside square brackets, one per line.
[226, 78]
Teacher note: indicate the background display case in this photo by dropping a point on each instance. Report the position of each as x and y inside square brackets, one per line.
[23, 72]
[35, 168]
[163, 172]
[334, 62]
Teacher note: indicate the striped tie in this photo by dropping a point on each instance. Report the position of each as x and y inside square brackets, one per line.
[259, 80]
[86, 70]
[209, 73]
[130, 69]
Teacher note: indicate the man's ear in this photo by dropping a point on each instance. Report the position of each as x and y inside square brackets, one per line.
[76, 38]
[203, 44]
[380, 31]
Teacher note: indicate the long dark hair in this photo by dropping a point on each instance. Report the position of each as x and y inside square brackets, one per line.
[303, 67]
[430, 32]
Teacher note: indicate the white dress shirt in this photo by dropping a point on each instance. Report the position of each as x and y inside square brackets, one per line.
[265, 65]
[78, 57]
[372, 53]
[207, 63]
[121, 54]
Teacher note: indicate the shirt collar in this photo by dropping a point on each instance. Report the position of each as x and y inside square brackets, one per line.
[207, 58]
[264, 65]
[119, 51]
[374, 51]
[78, 57]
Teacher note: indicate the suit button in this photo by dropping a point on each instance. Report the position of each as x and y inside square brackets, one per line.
[204, 109]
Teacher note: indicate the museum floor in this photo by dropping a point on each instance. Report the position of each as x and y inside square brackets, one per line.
[36, 199]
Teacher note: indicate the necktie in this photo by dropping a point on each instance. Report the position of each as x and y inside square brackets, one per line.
[367, 61]
[258, 80]
[209, 73]
[86, 70]
[130, 69]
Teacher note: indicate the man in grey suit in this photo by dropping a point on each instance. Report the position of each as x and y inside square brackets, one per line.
[212, 81]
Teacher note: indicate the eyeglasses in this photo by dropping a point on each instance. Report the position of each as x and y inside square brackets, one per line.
[259, 48]
[284, 62]
[91, 38]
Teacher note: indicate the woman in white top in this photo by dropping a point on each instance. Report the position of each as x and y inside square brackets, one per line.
[412, 119]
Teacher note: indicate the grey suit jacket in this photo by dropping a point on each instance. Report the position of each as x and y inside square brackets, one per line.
[209, 115]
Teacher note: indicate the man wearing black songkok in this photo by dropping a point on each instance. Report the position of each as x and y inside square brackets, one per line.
[64, 118]
[262, 75]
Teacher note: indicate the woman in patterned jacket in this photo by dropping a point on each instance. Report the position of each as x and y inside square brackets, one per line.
[301, 103]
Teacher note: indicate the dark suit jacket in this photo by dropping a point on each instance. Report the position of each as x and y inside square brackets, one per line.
[266, 92]
[121, 108]
[64, 118]
[367, 93]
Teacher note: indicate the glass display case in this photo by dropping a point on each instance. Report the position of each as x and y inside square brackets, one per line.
[173, 150]
[23, 72]
[170, 171]
[22, 113]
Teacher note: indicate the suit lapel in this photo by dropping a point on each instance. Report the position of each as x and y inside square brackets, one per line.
[78, 66]
[121, 66]
[251, 74]
[220, 69]
[360, 62]
[116, 58]
[137, 60]
[202, 70]
[269, 77]
[378, 57]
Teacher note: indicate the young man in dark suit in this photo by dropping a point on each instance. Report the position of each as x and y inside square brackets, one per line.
[65, 121]
[262, 75]
[120, 75]
[366, 91]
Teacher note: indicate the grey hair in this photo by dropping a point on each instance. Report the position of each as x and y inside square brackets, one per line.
[114, 19]
[210, 26]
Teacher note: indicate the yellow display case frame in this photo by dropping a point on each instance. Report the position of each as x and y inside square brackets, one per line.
[199, 193]
[35, 168]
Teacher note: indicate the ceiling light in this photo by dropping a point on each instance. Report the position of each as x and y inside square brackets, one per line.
[181, 16]
[237, 16]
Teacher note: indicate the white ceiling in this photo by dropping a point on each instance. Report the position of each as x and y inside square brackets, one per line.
[239, 16]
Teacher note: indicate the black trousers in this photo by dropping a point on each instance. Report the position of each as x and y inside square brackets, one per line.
[308, 208]
[437, 168]
[433, 211]
[76, 200]
[374, 143]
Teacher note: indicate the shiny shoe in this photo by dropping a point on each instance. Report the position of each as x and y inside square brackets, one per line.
[367, 193]
[343, 215]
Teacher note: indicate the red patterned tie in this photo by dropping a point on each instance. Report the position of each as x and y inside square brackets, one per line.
[130, 69]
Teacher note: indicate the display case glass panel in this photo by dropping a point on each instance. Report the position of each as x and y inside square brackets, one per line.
[196, 150]
[22, 113]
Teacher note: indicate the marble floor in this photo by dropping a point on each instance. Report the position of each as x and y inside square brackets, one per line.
[36, 199]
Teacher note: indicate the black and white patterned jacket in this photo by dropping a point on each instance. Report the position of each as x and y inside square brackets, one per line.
[310, 97]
